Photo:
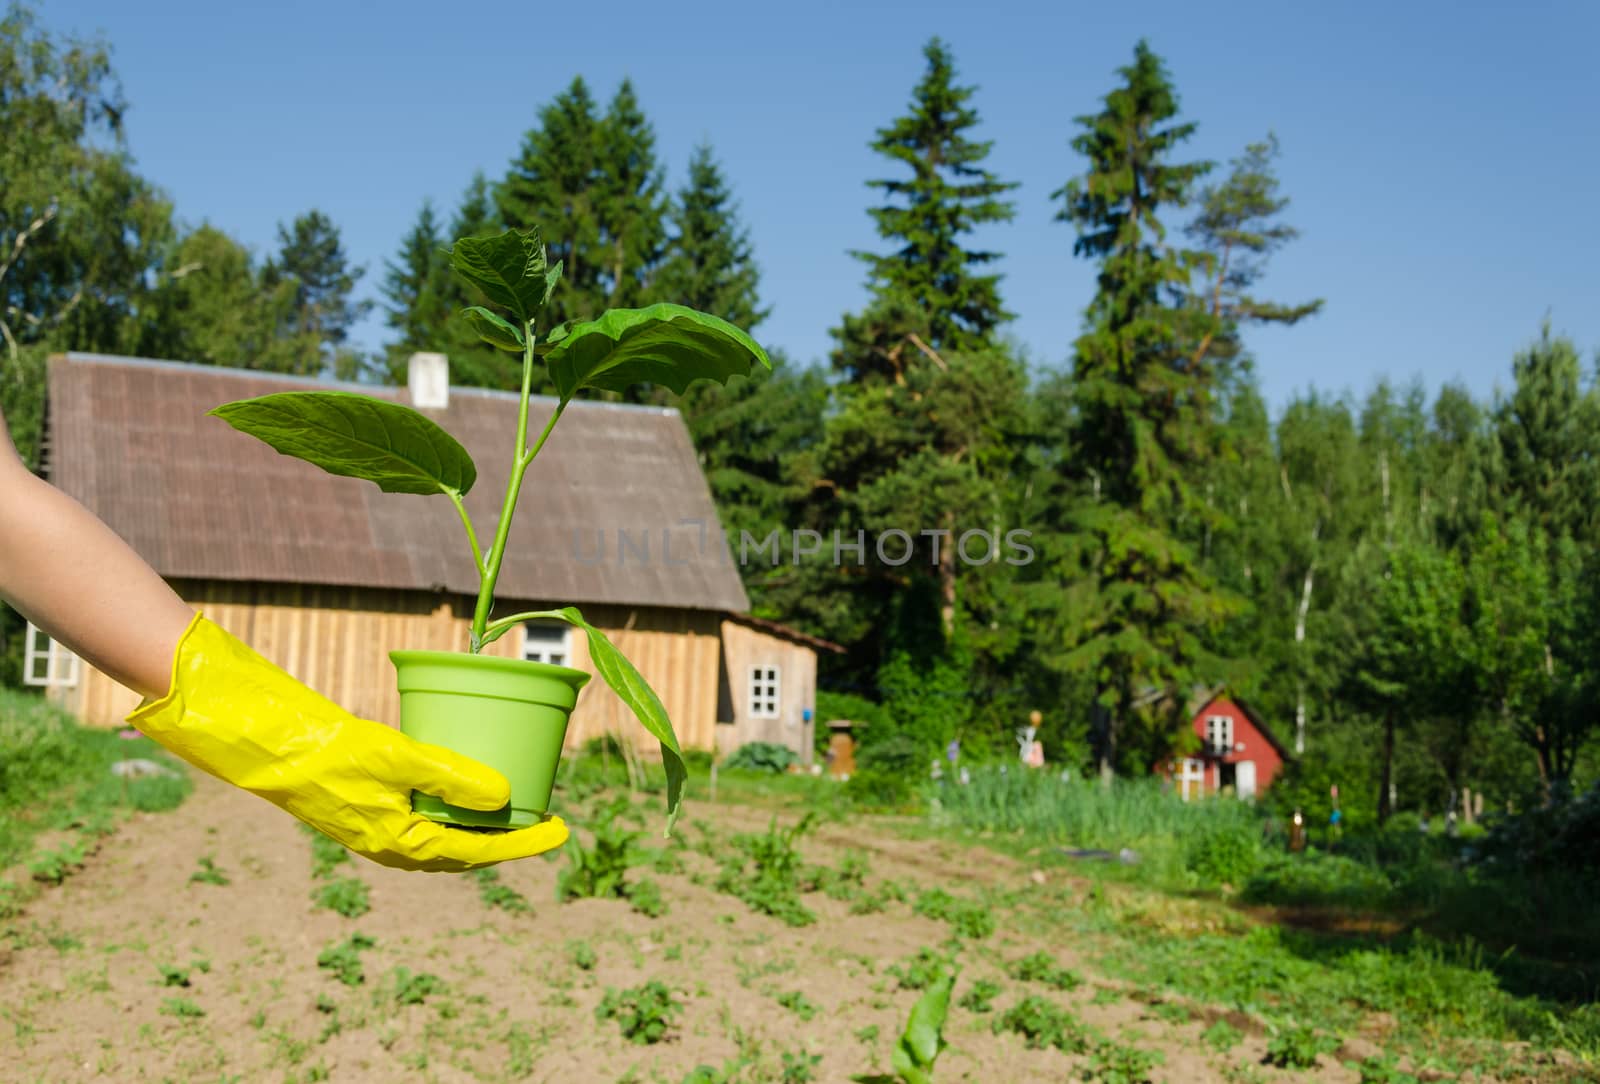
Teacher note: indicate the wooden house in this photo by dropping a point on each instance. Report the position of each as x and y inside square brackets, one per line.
[325, 575]
[1238, 753]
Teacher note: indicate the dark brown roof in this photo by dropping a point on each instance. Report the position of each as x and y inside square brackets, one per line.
[130, 439]
[785, 632]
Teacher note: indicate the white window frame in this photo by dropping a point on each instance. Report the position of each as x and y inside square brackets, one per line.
[62, 668]
[554, 650]
[764, 687]
[1219, 734]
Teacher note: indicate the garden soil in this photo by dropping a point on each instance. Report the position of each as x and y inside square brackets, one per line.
[83, 995]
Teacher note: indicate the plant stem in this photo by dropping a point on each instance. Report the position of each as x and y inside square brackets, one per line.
[490, 569]
[472, 536]
[500, 626]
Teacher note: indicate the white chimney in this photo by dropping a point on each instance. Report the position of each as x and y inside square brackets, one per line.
[428, 379]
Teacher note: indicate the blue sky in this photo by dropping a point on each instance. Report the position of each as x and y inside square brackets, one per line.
[1441, 158]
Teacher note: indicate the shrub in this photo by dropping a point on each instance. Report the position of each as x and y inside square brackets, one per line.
[1226, 853]
[762, 756]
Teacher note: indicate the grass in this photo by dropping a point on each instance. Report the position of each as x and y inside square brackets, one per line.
[55, 775]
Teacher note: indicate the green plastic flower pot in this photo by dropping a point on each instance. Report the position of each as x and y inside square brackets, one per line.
[507, 713]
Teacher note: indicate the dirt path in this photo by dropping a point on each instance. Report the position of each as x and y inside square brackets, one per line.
[83, 996]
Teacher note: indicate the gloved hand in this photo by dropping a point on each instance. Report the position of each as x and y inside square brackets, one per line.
[233, 714]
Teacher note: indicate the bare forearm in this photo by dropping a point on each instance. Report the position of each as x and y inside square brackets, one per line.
[73, 577]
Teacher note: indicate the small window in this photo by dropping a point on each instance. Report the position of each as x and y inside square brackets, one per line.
[547, 641]
[764, 688]
[1219, 734]
[47, 663]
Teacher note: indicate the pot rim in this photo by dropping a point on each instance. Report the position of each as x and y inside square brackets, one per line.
[465, 660]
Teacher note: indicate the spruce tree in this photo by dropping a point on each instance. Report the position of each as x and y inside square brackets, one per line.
[1137, 601]
[472, 362]
[630, 204]
[311, 258]
[553, 184]
[710, 264]
[415, 287]
[1548, 432]
[929, 215]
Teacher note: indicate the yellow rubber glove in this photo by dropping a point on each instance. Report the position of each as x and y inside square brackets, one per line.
[233, 714]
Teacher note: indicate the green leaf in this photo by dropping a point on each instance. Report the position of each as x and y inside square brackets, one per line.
[661, 344]
[551, 277]
[626, 681]
[494, 329]
[923, 1039]
[509, 269]
[358, 437]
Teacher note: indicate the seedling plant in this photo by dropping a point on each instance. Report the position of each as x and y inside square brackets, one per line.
[403, 451]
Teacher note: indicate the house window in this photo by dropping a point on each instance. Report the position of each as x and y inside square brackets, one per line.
[764, 686]
[1219, 734]
[547, 641]
[47, 663]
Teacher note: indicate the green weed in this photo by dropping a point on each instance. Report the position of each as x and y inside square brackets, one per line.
[645, 1014]
[208, 873]
[583, 955]
[1042, 967]
[920, 971]
[181, 1007]
[765, 872]
[1042, 1024]
[343, 958]
[496, 894]
[1115, 1063]
[1222, 1036]
[1297, 1047]
[799, 1004]
[347, 896]
[967, 918]
[414, 988]
[980, 996]
[326, 854]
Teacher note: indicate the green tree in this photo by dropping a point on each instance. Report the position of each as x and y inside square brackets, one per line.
[311, 258]
[929, 214]
[1549, 440]
[472, 362]
[212, 306]
[553, 184]
[630, 202]
[1138, 602]
[710, 264]
[1238, 227]
[80, 232]
[417, 292]
[1409, 654]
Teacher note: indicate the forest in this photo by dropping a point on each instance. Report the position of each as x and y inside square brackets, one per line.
[1405, 584]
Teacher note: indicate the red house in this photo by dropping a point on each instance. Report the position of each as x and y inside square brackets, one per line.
[1236, 750]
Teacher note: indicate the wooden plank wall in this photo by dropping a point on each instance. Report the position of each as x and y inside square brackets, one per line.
[745, 647]
[337, 641]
